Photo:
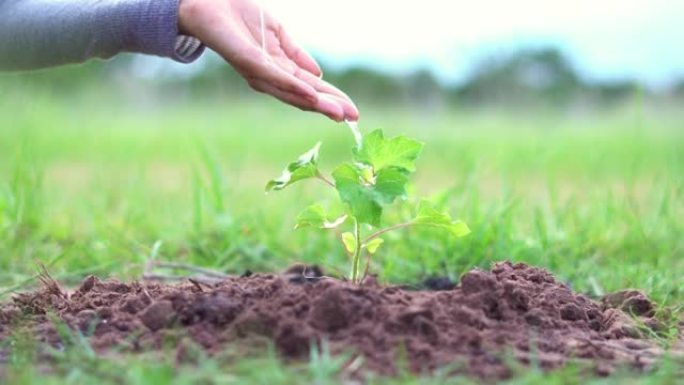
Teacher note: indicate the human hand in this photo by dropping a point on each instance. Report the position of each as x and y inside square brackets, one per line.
[232, 28]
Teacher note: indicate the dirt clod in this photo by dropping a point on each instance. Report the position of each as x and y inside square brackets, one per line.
[630, 301]
[513, 311]
[478, 281]
[572, 312]
[158, 315]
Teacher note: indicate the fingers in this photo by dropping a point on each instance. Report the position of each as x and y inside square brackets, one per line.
[331, 107]
[325, 88]
[302, 92]
[349, 110]
[324, 105]
[289, 98]
[267, 71]
[328, 100]
[321, 86]
[297, 54]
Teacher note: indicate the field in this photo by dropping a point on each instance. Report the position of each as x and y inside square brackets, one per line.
[99, 185]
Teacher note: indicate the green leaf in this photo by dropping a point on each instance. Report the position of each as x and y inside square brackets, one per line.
[304, 167]
[365, 198]
[373, 245]
[360, 197]
[312, 216]
[428, 216]
[390, 183]
[400, 152]
[315, 216]
[349, 241]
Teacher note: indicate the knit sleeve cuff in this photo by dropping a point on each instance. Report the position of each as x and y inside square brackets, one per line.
[187, 49]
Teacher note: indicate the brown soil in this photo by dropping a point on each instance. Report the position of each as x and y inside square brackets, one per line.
[480, 327]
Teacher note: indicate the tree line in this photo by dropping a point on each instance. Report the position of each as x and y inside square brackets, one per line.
[539, 77]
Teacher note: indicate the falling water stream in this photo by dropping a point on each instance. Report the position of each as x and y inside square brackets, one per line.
[263, 29]
[354, 126]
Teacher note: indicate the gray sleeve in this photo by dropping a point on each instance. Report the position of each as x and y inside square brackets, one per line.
[43, 33]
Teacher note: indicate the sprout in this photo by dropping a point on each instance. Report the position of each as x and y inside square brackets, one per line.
[375, 178]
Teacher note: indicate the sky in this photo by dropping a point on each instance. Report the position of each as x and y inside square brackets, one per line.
[605, 39]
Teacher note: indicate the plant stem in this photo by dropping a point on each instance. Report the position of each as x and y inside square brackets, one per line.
[367, 268]
[357, 252]
[325, 180]
[370, 238]
[387, 229]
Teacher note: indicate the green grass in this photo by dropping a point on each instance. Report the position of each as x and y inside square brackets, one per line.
[89, 184]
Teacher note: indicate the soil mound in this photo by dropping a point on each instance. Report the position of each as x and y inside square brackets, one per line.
[492, 319]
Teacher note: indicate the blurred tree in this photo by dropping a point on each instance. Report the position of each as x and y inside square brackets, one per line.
[678, 88]
[363, 83]
[537, 76]
[424, 90]
[615, 91]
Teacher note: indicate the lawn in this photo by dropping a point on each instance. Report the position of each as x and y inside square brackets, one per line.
[100, 184]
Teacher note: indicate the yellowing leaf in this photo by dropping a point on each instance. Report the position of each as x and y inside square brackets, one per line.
[366, 172]
[373, 245]
[349, 241]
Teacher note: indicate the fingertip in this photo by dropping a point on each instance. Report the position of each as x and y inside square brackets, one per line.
[337, 115]
[351, 112]
[334, 118]
[353, 115]
[311, 66]
[317, 70]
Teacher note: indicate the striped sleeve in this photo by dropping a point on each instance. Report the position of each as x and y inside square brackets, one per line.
[187, 49]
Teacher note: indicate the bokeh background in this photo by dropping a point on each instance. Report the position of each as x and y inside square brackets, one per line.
[555, 130]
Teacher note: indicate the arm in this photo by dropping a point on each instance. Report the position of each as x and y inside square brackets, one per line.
[43, 33]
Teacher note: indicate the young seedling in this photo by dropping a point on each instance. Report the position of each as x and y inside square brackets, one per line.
[376, 177]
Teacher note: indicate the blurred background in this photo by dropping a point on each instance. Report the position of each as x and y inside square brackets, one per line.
[555, 129]
[436, 56]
